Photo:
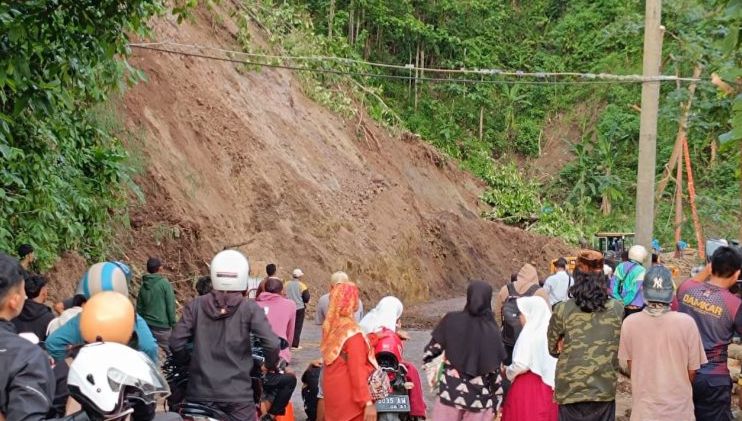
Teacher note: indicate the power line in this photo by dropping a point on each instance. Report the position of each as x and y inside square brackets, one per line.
[586, 78]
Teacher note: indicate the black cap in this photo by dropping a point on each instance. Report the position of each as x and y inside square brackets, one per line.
[658, 285]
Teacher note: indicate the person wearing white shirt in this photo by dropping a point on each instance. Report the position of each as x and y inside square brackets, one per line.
[557, 285]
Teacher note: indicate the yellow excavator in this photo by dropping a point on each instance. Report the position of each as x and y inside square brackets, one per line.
[612, 244]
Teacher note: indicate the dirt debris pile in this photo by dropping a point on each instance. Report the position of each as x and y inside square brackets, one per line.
[236, 157]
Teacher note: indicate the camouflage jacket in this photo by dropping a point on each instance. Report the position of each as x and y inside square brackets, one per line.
[588, 363]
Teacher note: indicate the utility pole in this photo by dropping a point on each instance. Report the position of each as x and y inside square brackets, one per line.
[653, 32]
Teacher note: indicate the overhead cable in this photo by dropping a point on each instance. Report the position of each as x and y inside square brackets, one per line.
[546, 78]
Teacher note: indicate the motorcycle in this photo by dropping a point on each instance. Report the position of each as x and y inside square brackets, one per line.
[109, 380]
[388, 350]
[176, 376]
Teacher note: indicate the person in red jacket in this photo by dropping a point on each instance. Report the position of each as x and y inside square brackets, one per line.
[347, 358]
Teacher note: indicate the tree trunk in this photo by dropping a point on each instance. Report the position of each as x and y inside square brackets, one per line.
[422, 65]
[331, 19]
[359, 23]
[605, 206]
[713, 152]
[417, 67]
[682, 134]
[351, 22]
[481, 123]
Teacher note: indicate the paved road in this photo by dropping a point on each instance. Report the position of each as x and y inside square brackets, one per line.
[310, 339]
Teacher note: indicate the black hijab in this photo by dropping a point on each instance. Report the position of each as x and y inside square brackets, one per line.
[471, 338]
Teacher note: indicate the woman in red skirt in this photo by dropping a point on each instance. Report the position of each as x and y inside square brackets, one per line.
[531, 397]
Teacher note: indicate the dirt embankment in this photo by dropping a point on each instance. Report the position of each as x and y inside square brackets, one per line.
[244, 157]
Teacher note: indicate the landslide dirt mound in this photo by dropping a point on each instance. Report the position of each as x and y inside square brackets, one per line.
[237, 157]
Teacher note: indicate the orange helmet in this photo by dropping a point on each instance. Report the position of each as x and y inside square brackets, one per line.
[107, 317]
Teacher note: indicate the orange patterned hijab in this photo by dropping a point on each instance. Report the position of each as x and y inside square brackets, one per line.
[340, 325]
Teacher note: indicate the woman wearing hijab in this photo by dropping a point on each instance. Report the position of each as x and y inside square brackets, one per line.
[526, 285]
[348, 360]
[531, 396]
[474, 352]
[385, 315]
[384, 319]
[584, 334]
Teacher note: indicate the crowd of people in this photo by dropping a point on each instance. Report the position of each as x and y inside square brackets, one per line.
[549, 350]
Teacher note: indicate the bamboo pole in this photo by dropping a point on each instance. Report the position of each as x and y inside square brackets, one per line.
[692, 194]
[679, 201]
[682, 134]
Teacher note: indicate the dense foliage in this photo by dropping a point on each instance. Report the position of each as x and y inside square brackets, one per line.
[63, 170]
[488, 123]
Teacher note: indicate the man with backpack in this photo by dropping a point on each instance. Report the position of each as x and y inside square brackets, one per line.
[506, 310]
[628, 279]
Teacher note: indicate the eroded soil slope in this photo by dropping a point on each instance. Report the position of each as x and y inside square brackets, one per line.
[244, 157]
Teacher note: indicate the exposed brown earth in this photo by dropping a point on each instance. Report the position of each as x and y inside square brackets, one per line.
[244, 157]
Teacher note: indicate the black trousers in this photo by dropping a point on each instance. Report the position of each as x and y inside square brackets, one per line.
[278, 388]
[298, 327]
[235, 411]
[59, 404]
[588, 411]
[712, 397]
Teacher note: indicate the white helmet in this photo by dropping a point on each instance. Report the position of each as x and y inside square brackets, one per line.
[638, 253]
[106, 375]
[229, 271]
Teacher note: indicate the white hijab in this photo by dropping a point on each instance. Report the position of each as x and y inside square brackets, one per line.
[531, 350]
[384, 315]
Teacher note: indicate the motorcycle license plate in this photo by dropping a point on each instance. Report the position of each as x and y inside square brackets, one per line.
[394, 403]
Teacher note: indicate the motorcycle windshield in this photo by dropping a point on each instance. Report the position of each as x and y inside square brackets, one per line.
[146, 383]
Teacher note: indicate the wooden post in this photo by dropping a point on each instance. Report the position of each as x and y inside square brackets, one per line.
[682, 134]
[653, 32]
[692, 196]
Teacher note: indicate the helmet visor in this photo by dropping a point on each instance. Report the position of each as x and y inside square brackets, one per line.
[147, 385]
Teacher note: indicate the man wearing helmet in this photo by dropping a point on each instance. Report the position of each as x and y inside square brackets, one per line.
[105, 276]
[628, 279]
[219, 324]
[99, 278]
[25, 373]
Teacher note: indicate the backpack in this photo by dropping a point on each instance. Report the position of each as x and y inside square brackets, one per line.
[511, 326]
[619, 282]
